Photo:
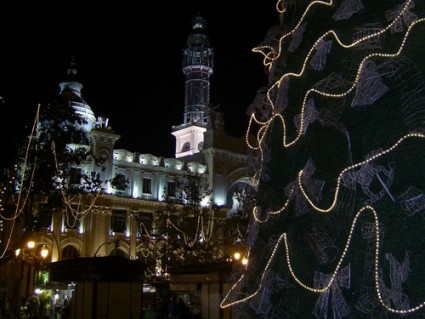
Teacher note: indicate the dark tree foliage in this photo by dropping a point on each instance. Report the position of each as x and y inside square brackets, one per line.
[52, 161]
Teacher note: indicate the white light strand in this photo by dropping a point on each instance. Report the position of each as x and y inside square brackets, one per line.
[78, 215]
[271, 56]
[283, 236]
[338, 183]
[265, 125]
[18, 209]
[256, 210]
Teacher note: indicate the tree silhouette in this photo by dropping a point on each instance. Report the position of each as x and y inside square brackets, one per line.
[187, 231]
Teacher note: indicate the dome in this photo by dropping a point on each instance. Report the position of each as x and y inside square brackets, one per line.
[70, 91]
[199, 23]
[198, 38]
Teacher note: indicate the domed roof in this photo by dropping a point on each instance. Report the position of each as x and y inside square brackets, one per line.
[199, 23]
[70, 91]
[198, 38]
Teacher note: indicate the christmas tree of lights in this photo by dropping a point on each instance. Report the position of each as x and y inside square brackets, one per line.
[337, 230]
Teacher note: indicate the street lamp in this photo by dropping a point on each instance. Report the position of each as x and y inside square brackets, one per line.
[27, 254]
[31, 244]
[28, 257]
[44, 252]
[244, 261]
[239, 258]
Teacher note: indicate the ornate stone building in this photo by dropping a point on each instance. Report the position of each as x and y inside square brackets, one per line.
[202, 148]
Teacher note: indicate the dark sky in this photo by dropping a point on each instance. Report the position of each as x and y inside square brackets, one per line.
[128, 58]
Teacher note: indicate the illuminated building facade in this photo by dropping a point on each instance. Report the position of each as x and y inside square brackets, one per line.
[202, 148]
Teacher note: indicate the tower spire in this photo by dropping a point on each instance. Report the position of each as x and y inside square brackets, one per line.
[72, 70]
[197, 66]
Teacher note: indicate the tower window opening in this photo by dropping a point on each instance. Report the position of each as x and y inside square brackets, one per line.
[186, 147]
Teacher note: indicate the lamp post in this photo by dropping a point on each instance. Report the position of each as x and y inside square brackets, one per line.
[28, 256]
[242, 259]
[117, 245]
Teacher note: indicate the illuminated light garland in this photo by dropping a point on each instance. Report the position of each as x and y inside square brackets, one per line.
[261, 134]
[283, 237]
[335, 35]
[199, 226]
[206, 230]
[280, 6]
[269, 58]
[338, 183]
[272, 213]
[224, 303]
[264, 125]
[19, 210]
[376, 265]
[68, 202]
[143, 249]
[330, 3]
[341, 259]
[267, 123]
[272, 55]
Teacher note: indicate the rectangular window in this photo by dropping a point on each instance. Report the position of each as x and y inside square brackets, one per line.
[119, 221]
[147, 183]
[120, 182]
[171, 189]
[76, 175]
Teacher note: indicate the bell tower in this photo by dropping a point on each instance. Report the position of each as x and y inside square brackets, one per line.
[197, 68]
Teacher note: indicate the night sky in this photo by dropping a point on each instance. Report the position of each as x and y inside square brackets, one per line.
[128, 58]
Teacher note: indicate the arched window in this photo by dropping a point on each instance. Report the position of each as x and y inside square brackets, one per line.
[186, 147]
[69, 252]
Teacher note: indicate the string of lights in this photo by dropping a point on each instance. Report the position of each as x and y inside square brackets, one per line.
[237, 294]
